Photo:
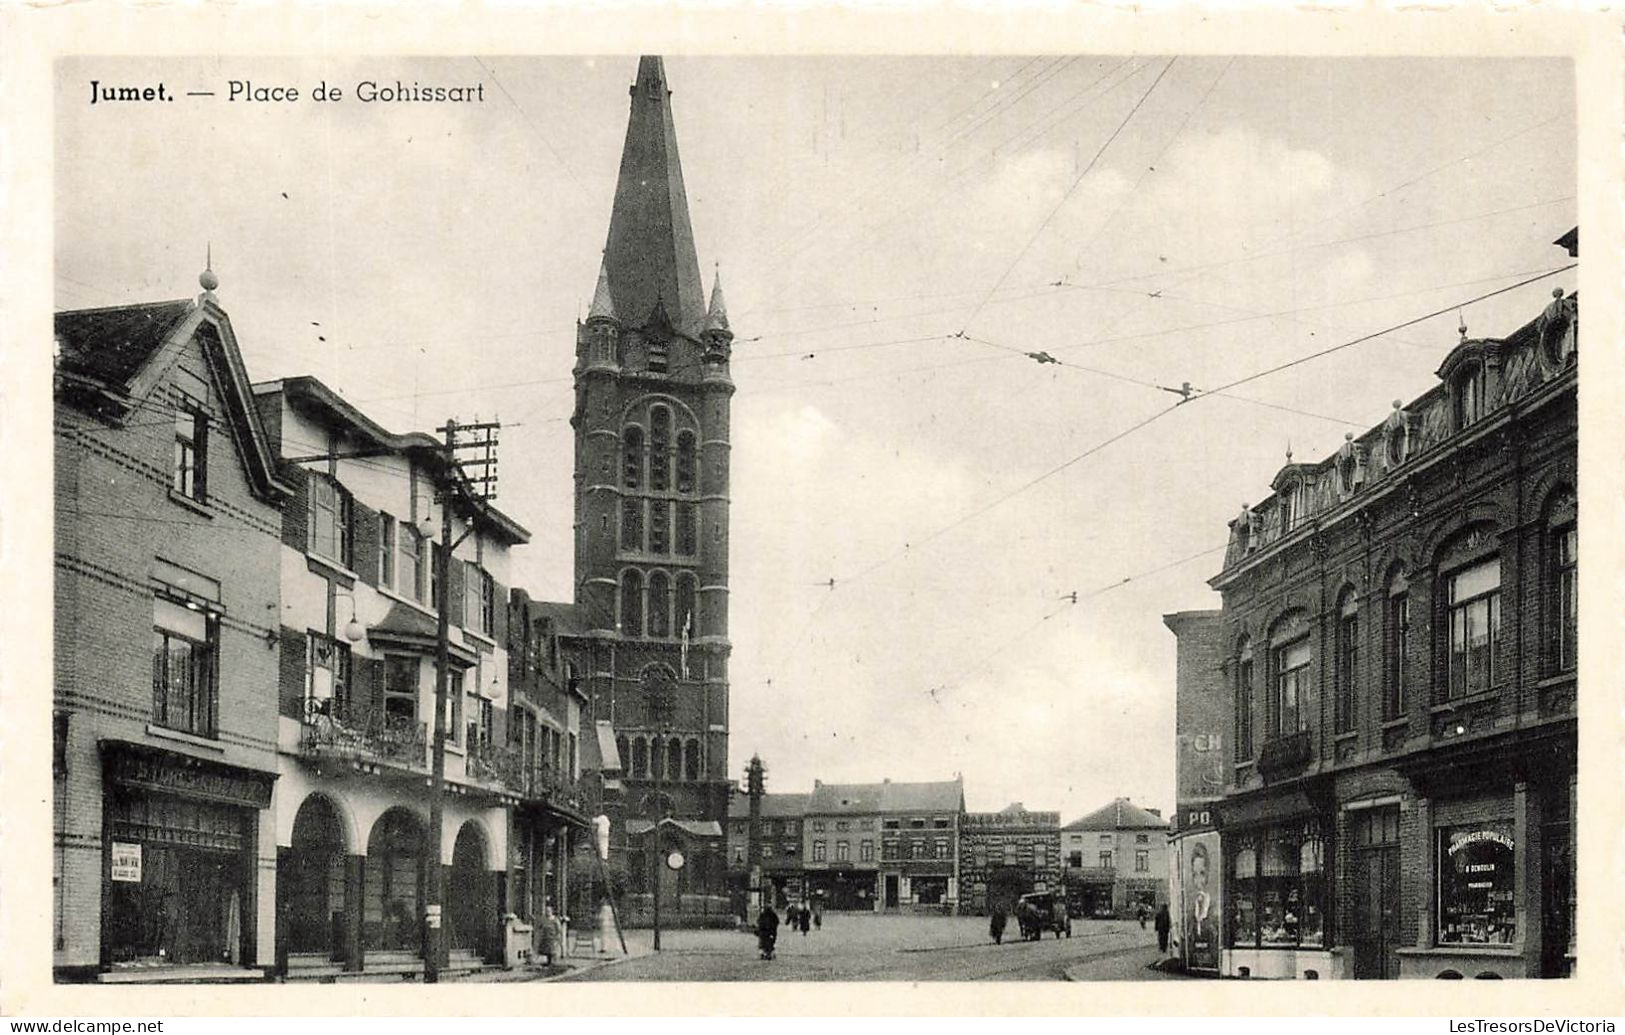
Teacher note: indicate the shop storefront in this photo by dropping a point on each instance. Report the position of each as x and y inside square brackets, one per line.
[1278, 854]
[179, 857]
[842, 889]
[1497, 887]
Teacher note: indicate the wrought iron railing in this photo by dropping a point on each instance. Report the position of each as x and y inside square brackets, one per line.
[332, 730]
[494, 765]
[1285, 752]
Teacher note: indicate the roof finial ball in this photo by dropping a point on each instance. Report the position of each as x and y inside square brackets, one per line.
[207, 278]
[1348, 436]
[1399, 403]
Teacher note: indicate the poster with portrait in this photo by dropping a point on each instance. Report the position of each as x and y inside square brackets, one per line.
[1199, 900]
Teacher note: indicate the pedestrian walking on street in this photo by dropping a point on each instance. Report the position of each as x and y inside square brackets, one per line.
[1163, 924]
[995, 926]
[1140, 911]
[804, 919]
[767, 930]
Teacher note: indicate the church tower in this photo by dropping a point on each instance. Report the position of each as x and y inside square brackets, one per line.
[651, 423]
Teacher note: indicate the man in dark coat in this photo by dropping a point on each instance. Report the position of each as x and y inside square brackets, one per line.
[804, 918]
[995, 925]
[767, 930]
[1164, 924]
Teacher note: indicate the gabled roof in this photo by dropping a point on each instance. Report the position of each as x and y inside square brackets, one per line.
[111, 359]
[887, 796]
[113, 343]
[1121, 814]
[774, 806]
[650, 260]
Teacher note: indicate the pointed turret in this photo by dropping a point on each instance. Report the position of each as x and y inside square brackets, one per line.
[716, 317]
[650, 255]
[603, 303]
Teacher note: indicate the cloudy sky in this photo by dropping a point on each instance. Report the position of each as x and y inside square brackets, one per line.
[893, 235]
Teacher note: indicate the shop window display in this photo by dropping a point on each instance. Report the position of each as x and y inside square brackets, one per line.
[1476, 885]
[1278, 888]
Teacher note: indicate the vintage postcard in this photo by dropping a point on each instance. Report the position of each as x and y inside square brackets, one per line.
[536, 500]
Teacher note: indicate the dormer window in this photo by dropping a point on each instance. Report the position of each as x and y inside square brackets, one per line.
[1294, 503]
[1348, 466]
[1470, 395]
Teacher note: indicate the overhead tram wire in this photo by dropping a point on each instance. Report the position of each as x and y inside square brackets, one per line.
[1376, 334]
[1066, 197]
[1071, 600]
[883, 181]
[1186, 390]
[902, 200]
[1144, 422]
[525, 116]
[908, 200]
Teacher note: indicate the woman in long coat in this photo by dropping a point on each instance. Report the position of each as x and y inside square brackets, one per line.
[767, 930]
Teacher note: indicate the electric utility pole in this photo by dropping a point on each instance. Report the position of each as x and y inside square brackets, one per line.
[453, 482]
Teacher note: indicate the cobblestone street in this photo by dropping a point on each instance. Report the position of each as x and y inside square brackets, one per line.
[856, 947]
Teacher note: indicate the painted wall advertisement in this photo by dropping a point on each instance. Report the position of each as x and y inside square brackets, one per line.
[1196, 896]
[126, 862]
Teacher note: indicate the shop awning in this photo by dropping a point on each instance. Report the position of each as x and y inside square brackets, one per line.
[133, 764]
[693, 827]
[1265, 808]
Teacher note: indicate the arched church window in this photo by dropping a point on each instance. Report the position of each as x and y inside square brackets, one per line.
[632, 524]
[685, 462]
[659, 527]
[691, 766]
[659, 449]
[688, 531]
[632, 456]
[685, 607]
[632, 604]
[659, 605]
[674, 759]
[640, 758]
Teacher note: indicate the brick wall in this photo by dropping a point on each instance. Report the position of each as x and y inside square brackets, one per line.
[114, 515]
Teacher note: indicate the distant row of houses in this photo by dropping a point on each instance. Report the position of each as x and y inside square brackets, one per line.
[913, 847]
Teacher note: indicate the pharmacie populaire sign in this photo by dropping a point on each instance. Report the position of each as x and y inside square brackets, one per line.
[1476, 888]
[126, 862]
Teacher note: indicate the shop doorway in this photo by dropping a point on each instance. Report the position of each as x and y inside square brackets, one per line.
[1006, 884]
[1374, 880]
[891, 890]
[314, 880]
[1557, 898]
[392, 885]
[177, 893]
[470, 894]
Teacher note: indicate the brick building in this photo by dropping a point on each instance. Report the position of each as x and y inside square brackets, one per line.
[168, 512]
[779, 844]
[1005, 854]
[1202, 721]
[1115, 860]
[884, 846]
[1399, 645]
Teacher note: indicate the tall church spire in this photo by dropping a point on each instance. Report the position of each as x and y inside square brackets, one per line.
[650, 256]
